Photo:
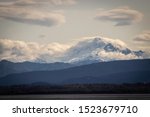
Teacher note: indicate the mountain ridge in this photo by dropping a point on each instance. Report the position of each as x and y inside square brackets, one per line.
[103, 71]
[7, 67]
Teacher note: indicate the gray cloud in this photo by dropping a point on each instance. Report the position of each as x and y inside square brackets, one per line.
[49, 2]
[26, 11]
[32, 16]
[120, 16]
[37, 2]
[143, 38]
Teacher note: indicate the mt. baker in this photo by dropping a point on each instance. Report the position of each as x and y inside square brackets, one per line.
[89, 50]
[99, 49]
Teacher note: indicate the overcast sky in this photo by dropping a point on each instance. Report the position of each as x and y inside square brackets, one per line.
[64, 21]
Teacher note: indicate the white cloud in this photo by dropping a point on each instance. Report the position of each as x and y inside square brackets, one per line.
[31, 16]
[116, 55]
[30, 51]
[115, 42]
[143, 38]
[120, 16]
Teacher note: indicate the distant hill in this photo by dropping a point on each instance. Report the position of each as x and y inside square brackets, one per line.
[116, 72]
[7, 67]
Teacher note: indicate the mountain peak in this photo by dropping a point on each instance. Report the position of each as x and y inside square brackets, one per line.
[97, 39]
[100, 49]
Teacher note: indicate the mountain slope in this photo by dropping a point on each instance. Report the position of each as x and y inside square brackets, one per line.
[7, 67]
[128, 71]
[99, 49]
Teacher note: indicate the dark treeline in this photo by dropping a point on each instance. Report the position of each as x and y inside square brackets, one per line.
[137, 88]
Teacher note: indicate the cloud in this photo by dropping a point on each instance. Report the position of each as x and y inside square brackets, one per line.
[32, 16]
[143, 38]
[44, 2]
[19, 51]
[34, 12]
[120, 16]
[42, 36]
[38, 2]
[116, 55]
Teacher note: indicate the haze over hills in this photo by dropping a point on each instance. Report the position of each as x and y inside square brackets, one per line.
[116, 72]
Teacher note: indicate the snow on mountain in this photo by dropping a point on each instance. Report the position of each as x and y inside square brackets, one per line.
[89, 50]
[96, 49]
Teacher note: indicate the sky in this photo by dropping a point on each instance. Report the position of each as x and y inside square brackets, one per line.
[65, 21]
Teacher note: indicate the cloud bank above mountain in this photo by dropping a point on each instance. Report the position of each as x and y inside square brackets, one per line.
[89, 49]
[120, 16]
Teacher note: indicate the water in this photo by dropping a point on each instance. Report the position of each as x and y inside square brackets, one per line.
[78, 97]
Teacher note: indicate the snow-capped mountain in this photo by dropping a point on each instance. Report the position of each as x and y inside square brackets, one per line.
[85, 51]
[98, 49]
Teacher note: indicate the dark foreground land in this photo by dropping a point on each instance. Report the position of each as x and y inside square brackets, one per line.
[138, 91]
[77, 97]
